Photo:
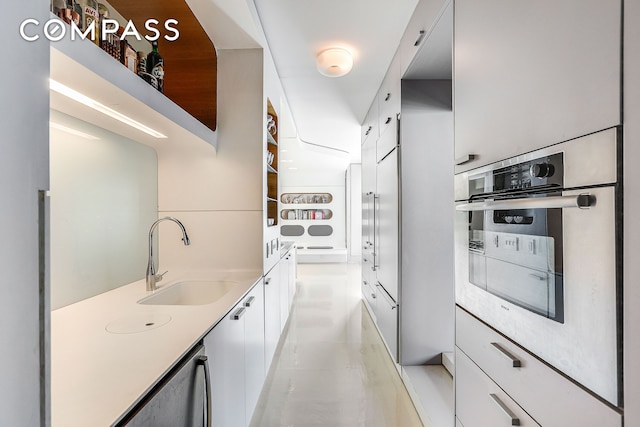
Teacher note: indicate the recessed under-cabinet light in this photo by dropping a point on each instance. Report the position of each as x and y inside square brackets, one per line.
[72, 131]
[92, 103]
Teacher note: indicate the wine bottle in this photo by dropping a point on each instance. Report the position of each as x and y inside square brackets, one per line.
[155, 65]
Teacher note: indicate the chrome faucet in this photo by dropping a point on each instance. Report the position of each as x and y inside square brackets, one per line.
[152, 278]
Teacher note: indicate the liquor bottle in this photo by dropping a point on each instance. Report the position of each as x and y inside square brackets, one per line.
[155, 65]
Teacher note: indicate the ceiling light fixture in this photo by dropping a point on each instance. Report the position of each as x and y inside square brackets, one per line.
[334, 62]
[92, 103]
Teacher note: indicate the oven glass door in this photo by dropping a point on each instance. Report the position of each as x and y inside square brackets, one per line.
[515, 253]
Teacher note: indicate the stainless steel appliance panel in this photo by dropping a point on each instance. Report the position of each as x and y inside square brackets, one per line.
[181, 399]
[585, 346]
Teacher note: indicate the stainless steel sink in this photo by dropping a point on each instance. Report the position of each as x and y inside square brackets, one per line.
[190, 292]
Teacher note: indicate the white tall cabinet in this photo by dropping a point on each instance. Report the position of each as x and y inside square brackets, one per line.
[529, 74]
[24, 170]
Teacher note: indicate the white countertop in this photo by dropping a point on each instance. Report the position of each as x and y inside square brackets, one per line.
[96, 375]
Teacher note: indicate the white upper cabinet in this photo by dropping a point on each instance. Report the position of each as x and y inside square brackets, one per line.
[420, 27]
[529, 74]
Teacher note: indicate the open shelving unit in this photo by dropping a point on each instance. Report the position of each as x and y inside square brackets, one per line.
[313, 218]
[271, 159]
[89, 70]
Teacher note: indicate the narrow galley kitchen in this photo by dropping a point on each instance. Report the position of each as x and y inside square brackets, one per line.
[332, 368]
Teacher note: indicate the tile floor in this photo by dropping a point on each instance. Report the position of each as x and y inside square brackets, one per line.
[332, 368]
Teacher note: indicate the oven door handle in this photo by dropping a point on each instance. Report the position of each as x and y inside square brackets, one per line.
[581, 201]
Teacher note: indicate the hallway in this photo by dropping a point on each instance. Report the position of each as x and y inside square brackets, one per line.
[332, 368]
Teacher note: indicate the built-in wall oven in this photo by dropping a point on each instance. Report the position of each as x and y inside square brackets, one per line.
[536, 245]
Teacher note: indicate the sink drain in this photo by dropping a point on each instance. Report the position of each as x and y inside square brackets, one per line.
[137, 323]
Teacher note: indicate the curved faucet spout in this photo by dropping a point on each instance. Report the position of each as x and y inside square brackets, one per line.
[151, 277]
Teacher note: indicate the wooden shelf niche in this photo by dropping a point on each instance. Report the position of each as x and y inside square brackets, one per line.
[190, 61]
[272, 169]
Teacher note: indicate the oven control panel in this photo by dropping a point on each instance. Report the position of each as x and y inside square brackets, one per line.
[545, 171]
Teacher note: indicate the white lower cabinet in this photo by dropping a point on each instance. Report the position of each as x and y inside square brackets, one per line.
[293, 274]
[284, 290]
[254, 348]
[272, 311]
[549, 397]
[235, 348]
[387, 319]
[225, 348]
[480, 402]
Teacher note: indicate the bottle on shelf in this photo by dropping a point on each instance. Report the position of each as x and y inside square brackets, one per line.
[90, 17]
[155, 65]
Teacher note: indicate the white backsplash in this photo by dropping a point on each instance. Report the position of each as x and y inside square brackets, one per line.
[104, 198]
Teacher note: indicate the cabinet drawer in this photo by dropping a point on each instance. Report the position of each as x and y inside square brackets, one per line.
[548, 396]
[480, 402]
[387, 320]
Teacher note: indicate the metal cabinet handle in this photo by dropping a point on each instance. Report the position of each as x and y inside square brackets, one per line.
[364, 259]
[515, 362]
[420, 37]
[365, 282]
[386, 98]
[515, 421]
[267, 281]
[239, 313]
[249, 301]
[388, 121]
[368, 130]
[376, 225]
[387, 297]
[538, 276]
[464, 159]
[203, 362]
[373, 296]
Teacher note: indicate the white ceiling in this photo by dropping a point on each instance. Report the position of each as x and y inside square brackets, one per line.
[328, 111]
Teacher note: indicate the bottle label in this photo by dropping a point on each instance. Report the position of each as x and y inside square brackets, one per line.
[158, 71]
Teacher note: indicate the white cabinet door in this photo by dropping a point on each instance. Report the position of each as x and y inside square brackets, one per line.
[293, 275]
[420, 26]
[387, 320]
[224, 346]
[283, 265]
[254, 348]
[387, 223]
[529, 74]
[271, 315]
[389, 98]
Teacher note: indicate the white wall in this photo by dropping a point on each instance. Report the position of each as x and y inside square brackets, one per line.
[354, 212]
[24, 169]
[631, 156]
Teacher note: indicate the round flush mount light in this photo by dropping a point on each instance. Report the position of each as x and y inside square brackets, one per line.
[334, 62]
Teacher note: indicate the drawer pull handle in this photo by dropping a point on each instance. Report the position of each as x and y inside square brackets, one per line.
[239, 313]
[420, 37]
[249, 301]
[515, 421]
[387, 121]
[267, 281]
[515, 362]
[373, 296]
[386, 98]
